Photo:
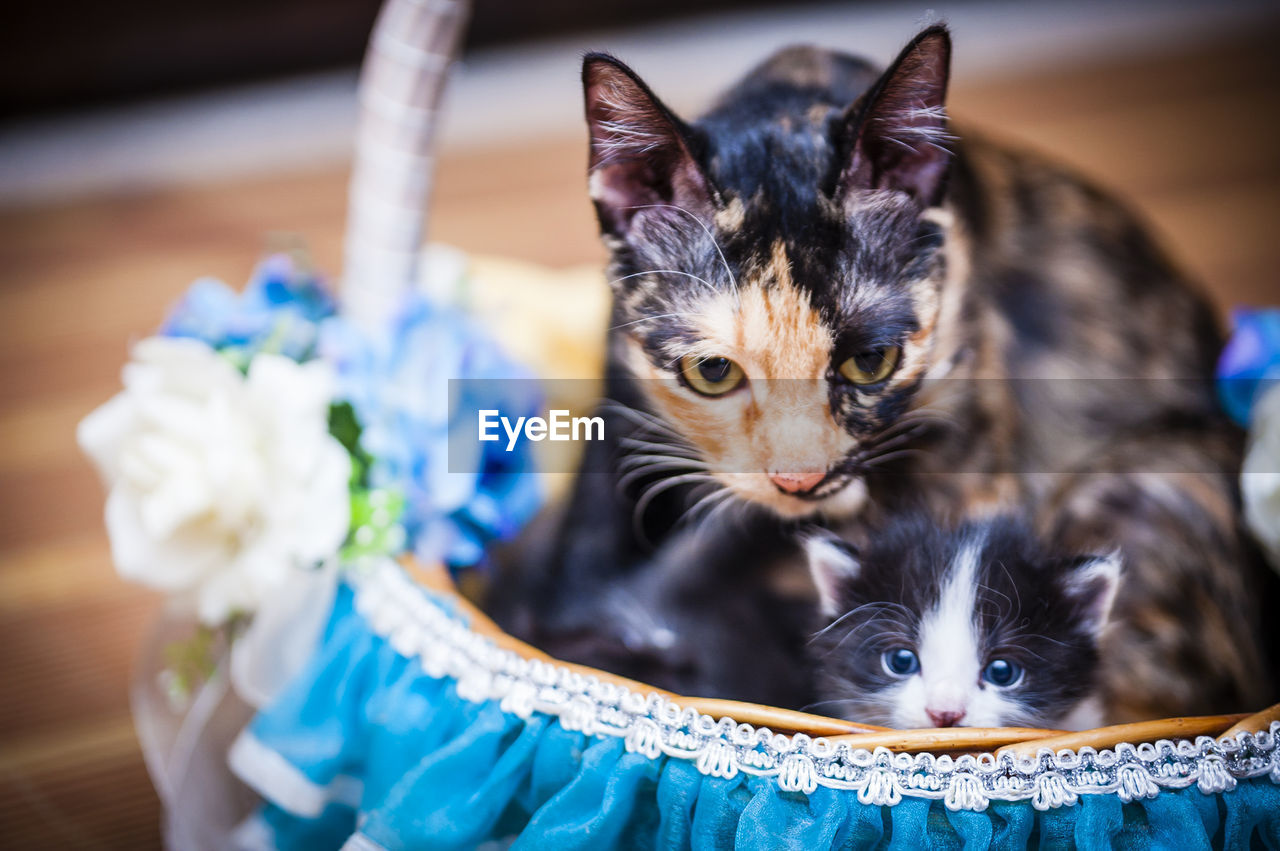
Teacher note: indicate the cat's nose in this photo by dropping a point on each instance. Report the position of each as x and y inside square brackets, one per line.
[946, 718]
[796, 482]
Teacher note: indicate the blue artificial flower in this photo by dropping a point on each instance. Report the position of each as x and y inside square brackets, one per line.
[279, 311]
[412, 388]
[1250, 363]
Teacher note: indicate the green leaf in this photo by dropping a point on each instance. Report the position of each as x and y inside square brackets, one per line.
[344, 425]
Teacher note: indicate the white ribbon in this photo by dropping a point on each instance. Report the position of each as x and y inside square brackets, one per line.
[185, 747]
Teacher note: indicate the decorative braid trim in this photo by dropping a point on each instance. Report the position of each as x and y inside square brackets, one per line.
[416, 627]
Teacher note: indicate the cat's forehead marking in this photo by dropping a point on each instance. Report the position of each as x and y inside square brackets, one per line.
[770, 322]
[950, 646]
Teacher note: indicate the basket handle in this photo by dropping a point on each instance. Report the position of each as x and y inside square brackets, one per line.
[414, 42]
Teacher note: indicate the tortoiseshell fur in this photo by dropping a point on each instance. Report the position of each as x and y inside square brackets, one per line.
[1052, 358]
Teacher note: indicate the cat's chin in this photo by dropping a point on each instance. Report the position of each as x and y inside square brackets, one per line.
[846, 500]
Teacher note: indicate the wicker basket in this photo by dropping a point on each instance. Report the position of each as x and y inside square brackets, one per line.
[413, 44]
[417, 613]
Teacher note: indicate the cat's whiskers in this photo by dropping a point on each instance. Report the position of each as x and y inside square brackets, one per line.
[643, 418]
[705, 503]
[879, 456]
[918, 416]
[658, 453]
[708, 501]
[703, 281]
[728, 504]
[896, 455]
[733, 281]
[636, 460]
[657, 488]
[909, 425]
[669, 441]
[647, 458]
[900, 618]
[864, 607]
[651, 318]
[1008, 606]
[924, 237]
[1022, 637]
[671, 365]
[885, 445]
[640, 471]
[1013, 605]
[900, 442]
[650, 436]
[638, 438]
[847, 700]
[895, 438]
[890, 637]
[937, 397]
[644, 458]
[665, 444]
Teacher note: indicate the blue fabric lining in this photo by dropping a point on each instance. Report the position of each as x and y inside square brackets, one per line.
[440, 772]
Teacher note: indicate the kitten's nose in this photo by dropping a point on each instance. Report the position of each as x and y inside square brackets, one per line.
[947, 718]
[796, 482]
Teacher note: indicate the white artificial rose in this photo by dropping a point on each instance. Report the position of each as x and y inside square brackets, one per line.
[1260, 476]
[219, 484]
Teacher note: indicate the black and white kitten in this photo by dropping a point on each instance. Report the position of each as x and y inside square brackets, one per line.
[977, 626]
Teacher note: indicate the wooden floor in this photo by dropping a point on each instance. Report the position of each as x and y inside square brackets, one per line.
[1191, 137]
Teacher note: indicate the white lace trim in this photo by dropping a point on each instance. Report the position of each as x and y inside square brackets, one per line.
[404, 614]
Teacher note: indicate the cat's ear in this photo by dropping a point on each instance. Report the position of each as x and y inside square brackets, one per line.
[1092, 582]
[832, 562]
[897, 132]
[641, 153]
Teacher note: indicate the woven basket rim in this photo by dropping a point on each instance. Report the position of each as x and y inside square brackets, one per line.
[1019, 741]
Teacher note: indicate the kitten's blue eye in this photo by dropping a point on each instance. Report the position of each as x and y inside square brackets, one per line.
[1002, 673]
[900, 661]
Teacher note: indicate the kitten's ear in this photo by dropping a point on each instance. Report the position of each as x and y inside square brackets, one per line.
[899, 128]
[1093, 582]
[833, 562]
[641, 153]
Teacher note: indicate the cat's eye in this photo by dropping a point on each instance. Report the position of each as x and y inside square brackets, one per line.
[711, 376]
[900, 661]
[871, 366]
[1002, 673]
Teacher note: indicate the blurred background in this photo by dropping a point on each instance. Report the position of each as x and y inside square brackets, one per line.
[145, 143]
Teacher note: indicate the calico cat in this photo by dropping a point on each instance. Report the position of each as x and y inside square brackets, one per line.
[978, 626]
[828, 304]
